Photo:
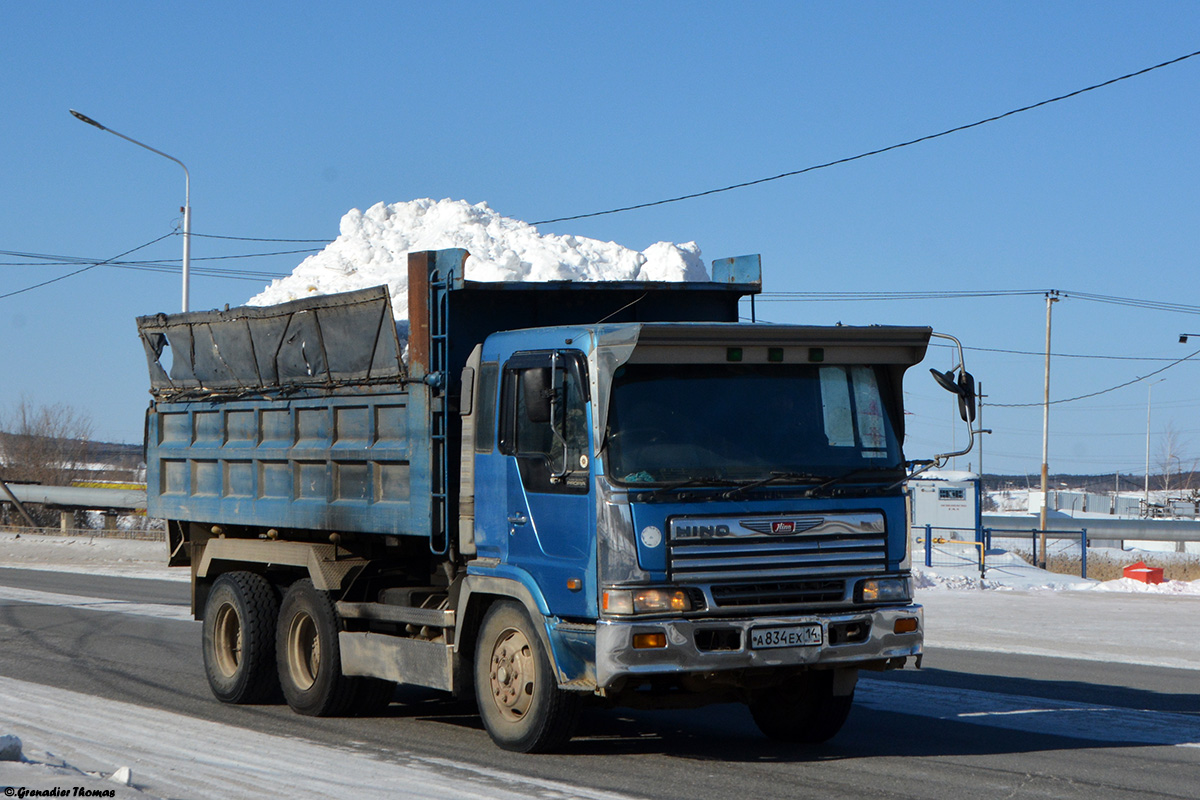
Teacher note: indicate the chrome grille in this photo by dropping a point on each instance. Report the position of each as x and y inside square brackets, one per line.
[725, 550]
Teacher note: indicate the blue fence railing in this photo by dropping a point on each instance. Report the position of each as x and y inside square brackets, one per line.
[960, 546]
[952, 547]
[1040, 554]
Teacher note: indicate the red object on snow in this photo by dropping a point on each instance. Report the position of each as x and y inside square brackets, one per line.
[1140, 572]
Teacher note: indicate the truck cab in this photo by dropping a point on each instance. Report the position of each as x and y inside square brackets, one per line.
[714, 498]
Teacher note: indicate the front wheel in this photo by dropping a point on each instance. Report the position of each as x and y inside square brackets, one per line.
[308, 654]
[519, 700]
[238, 638]
[807, 712]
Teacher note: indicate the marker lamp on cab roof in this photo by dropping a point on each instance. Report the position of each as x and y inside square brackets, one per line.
[628, 602]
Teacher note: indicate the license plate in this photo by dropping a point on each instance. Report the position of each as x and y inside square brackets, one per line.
[791, 636]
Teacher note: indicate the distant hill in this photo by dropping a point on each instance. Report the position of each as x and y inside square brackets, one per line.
[119, 454]
[1099, 484]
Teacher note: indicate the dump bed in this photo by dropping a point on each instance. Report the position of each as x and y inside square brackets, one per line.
[305, 415]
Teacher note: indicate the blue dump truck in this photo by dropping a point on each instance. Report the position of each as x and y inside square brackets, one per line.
[541, 495]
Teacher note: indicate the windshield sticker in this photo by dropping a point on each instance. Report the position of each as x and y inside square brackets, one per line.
[835, 405]
[869, 408]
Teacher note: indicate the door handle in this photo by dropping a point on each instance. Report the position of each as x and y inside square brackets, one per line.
[518, 518]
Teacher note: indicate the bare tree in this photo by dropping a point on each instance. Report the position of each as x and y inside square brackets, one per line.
[46, 444]
[1175, 465]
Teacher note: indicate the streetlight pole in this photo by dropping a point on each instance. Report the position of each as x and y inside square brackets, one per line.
[1149, 389]
[1051, 299]
[187, 199]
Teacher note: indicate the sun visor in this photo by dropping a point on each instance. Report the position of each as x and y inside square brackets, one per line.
[614, 346]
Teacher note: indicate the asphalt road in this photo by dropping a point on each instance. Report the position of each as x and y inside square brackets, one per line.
[903, 740]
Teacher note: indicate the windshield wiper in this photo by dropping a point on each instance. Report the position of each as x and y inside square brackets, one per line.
[689, 482]
[847, 475]
[775, 478]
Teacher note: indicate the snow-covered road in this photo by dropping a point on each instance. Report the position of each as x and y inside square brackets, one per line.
[175, 755]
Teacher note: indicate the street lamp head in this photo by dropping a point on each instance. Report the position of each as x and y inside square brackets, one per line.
[87, 119]
[187, 194]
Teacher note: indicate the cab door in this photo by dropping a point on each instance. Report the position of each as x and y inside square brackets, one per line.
[544, 435]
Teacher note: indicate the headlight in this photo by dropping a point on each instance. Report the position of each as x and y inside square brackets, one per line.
[644, 601]
[883, 590]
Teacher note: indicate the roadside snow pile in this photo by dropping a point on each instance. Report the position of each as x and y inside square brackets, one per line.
[1007, 572]
[98, 555]
[926, 578]
[42, 774]
[1130, 585]
[374, 244]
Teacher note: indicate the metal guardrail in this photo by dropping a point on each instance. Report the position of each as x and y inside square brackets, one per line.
[88, 533]
[1142, 530]
[1036, 534]
[929, 540]
[984, 542]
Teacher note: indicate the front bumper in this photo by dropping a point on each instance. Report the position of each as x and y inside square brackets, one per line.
[616, 658]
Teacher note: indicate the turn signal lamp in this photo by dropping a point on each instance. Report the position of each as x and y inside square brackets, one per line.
[649, 641]
[905, 625]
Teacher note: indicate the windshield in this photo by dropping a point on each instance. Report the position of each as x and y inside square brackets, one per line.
[747, 422]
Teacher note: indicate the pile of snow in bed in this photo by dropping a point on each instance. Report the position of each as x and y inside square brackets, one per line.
[374, 244]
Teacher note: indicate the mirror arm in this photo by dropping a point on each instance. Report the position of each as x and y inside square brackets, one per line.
[941, 459]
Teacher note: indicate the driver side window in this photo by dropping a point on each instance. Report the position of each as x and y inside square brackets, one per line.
[544, 421]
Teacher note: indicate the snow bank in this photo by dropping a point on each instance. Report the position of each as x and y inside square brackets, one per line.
[1007, 572]
[96, 555]
[1130, 585]
[374, 244]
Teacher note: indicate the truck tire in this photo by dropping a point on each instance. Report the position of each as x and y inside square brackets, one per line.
[806, 712]
[308, 655]
[239, 638]
[519, 700]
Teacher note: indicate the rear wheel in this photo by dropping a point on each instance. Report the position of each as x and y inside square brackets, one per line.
[806, 712]
[239, 638]
[519, 700]
[308, 655]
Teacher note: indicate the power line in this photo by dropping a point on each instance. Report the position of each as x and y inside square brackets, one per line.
[88, 267]
[880, 151]
[259, 239]
[1055, 355]
[50, 259]
[1102, 391]
[1157, 305]
[951, 294]
[161, 266]
[940, 294]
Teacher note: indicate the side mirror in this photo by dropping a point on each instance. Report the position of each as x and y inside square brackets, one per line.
[966, 396]
[964, 387]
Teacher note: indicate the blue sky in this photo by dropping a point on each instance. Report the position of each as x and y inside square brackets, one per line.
[288, 115]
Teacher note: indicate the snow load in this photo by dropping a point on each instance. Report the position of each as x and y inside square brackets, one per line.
[373, 248]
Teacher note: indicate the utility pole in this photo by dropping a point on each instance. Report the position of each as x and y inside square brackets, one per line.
[1149, 389]
[981, 395]
[1051, 299]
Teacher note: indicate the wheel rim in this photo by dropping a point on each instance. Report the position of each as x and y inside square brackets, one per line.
[512, 673]
[227, 640]
[303, 651]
